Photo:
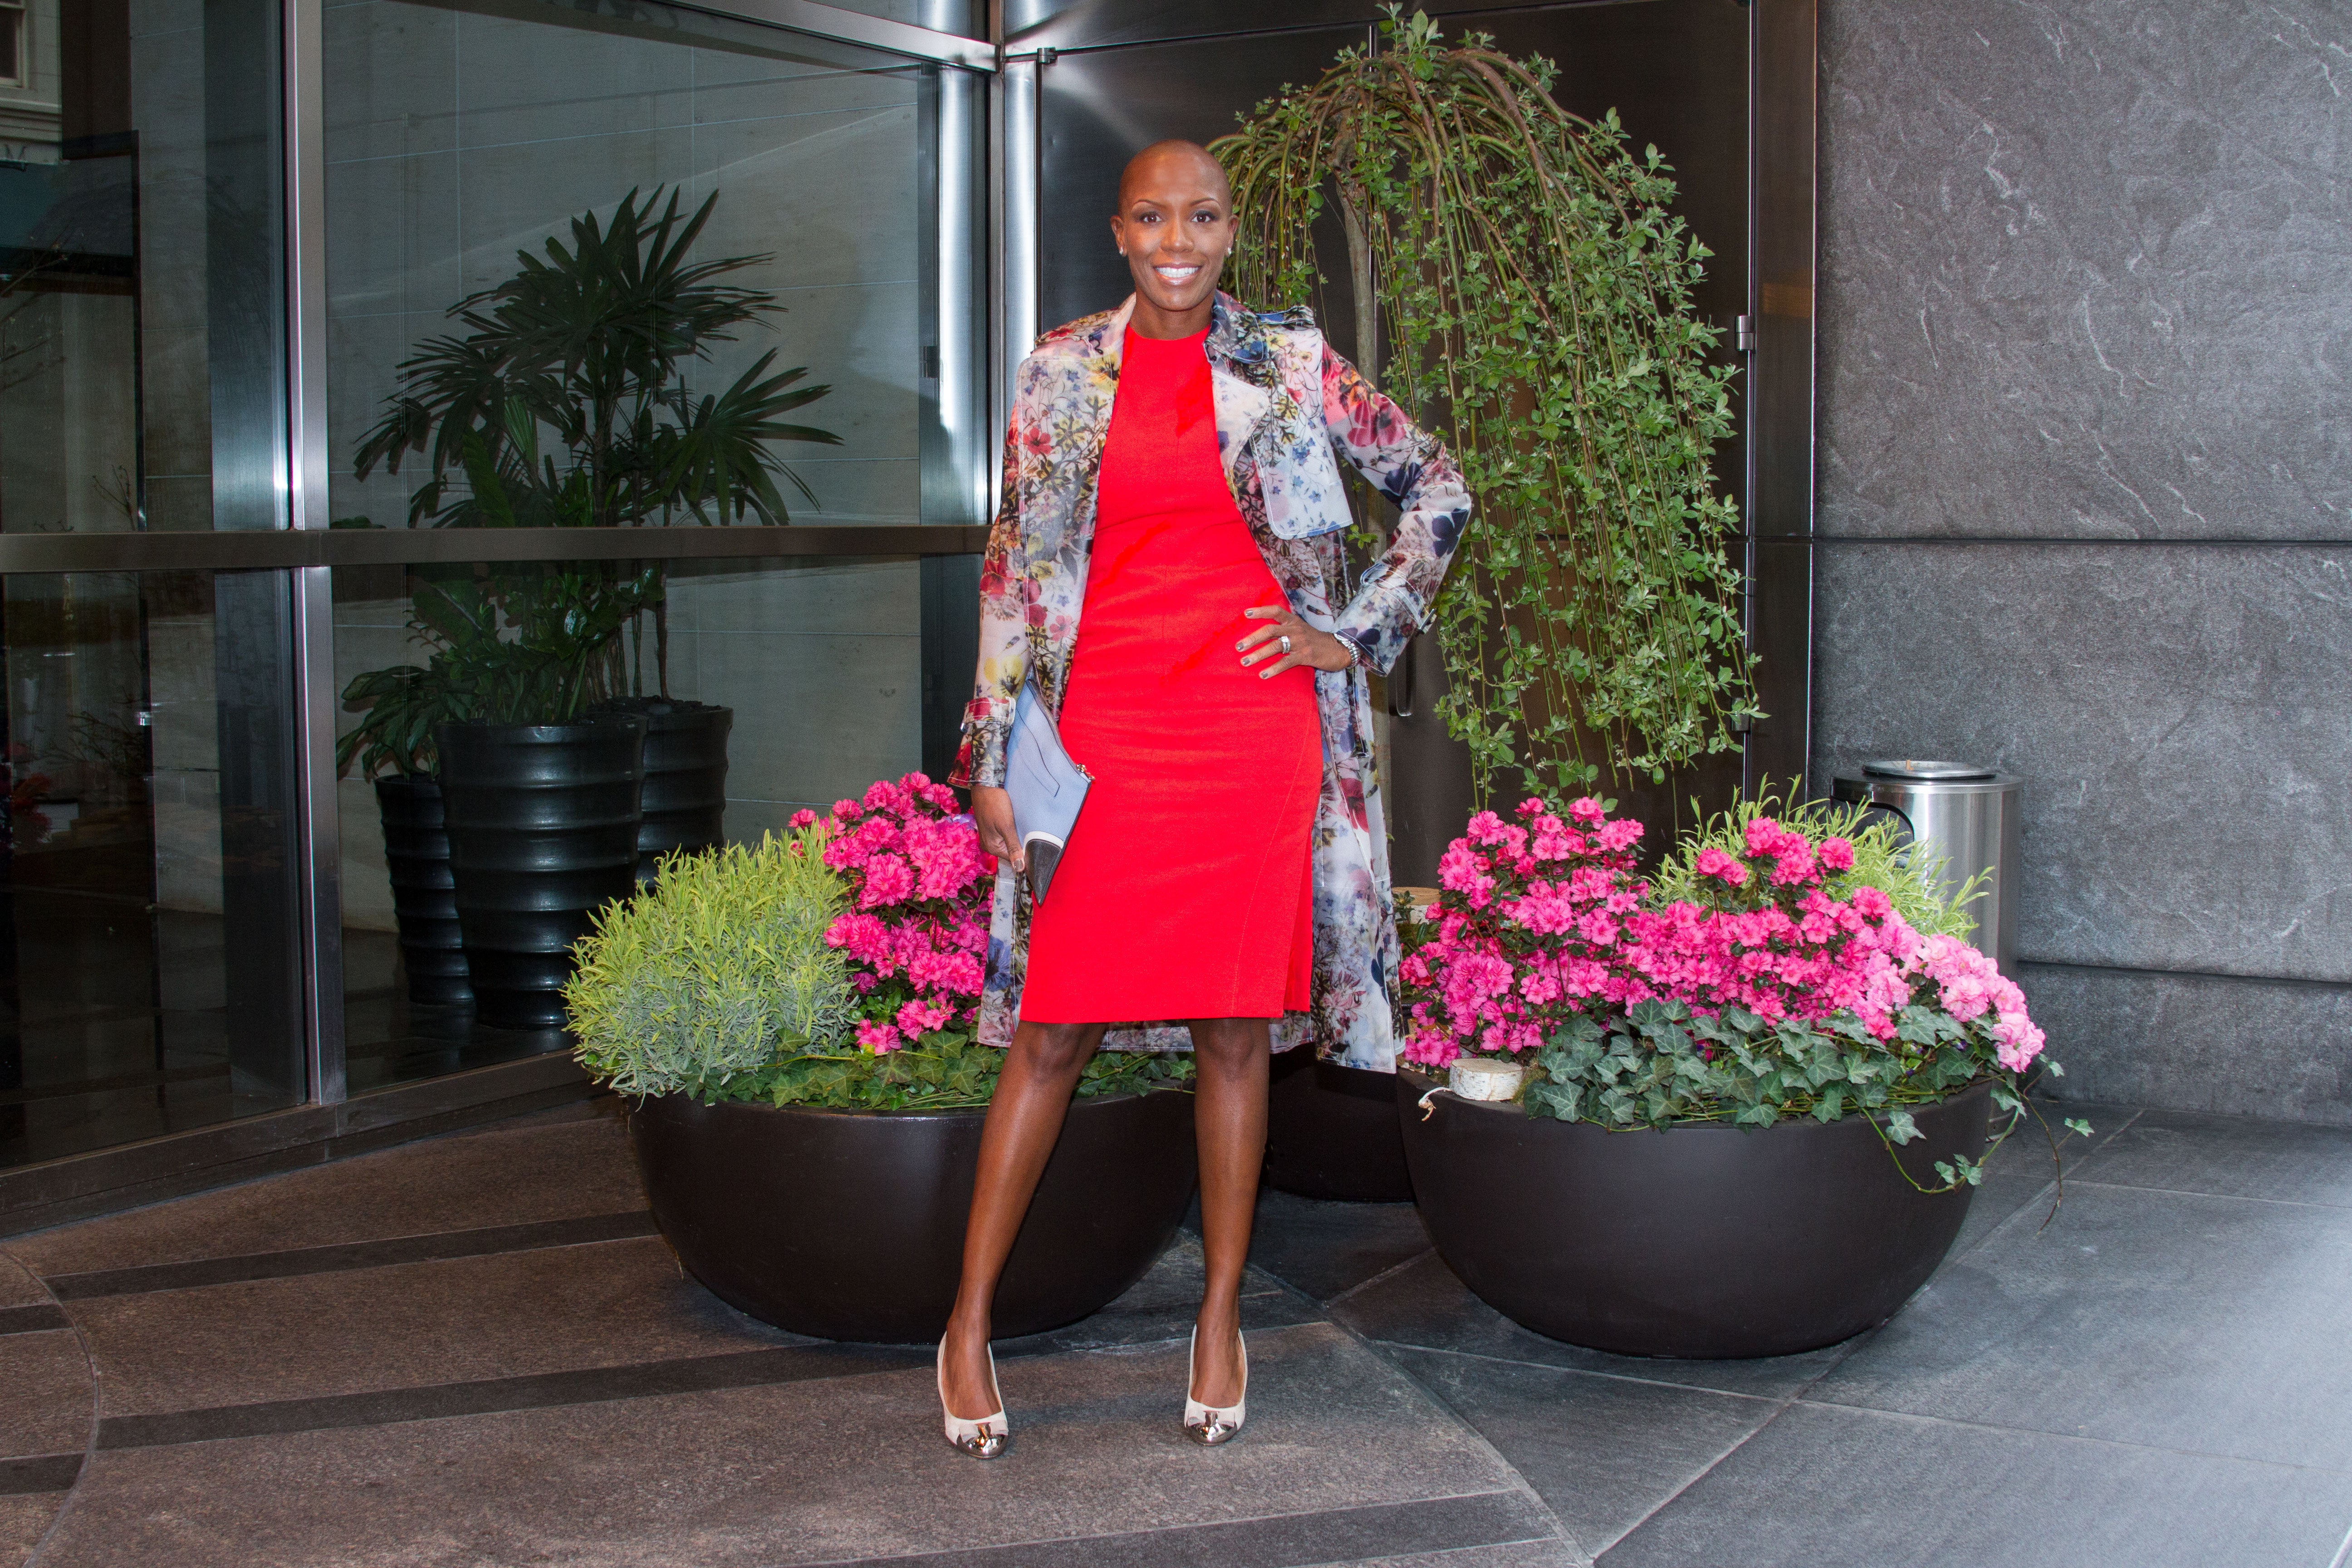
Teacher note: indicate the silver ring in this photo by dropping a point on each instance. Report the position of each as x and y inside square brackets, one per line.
[1285, 645]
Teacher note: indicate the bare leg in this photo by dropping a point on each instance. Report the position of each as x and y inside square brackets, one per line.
[1232, 1057]
[1024, 1119]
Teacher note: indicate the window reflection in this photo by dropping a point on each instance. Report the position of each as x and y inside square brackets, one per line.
[141, 339]
[148, 818]
[789, 684]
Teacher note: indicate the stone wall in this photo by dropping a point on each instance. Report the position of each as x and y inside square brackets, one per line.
[2086, 501]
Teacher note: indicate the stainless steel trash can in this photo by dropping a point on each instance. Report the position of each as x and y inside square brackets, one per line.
[1965, 816]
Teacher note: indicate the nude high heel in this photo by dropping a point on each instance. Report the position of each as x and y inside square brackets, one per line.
[1210, 1425]
[984, 1438]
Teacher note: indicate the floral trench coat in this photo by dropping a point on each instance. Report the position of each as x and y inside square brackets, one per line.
[1284, 403]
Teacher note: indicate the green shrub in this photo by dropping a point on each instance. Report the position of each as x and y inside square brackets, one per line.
[1906, 874]
[718, 970]
[716, 982]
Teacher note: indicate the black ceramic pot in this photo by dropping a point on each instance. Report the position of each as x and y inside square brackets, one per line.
[1332, 1132]
[849, 1225]
[542, 829]
[685, 778]
[424, 896]
[1701, 1241]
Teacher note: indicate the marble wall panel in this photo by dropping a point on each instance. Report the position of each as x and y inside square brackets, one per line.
[2083, 267]
[2197, 1042]
[2179, 715]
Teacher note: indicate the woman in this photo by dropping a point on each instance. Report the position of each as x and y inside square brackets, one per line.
[1165, 568]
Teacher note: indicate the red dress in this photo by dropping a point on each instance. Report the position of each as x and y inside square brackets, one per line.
[1186, 890]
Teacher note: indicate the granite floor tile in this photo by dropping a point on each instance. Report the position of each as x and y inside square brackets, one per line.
[1602, 1452]
[1423, 1307]
[2229, 1156]
[1322, 1248]
[1825, 1488]
[1162, 1305]
[1518, 1555]
[343, 1257]
[807, 1472]
[1392, 1531]
[23, 1521]
[2211, 1325]
[19, 1287]
[556, 1309]
[560, 1171]
[45, 1394]
[2025, 1173]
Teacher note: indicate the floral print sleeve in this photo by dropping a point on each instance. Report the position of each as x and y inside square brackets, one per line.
[1413, 470]
[1003, 632]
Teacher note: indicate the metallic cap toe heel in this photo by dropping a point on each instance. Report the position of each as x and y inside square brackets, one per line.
[986, 1437]
[1210, 1425]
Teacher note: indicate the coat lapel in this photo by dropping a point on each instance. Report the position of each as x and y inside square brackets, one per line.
[1242, 380]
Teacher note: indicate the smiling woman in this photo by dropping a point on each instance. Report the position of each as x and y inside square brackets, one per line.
[1167, 570]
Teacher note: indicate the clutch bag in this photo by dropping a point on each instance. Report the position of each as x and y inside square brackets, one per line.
[1046, 788]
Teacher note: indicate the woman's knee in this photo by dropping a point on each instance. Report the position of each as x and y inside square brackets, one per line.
[1229, 1044]
[1057, 1049]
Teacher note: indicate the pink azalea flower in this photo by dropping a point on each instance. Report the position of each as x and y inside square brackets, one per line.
[920, 1018]
[1623, 833]
[1837, 854]
[879, 1037]
[889, 880]
[1714, 862]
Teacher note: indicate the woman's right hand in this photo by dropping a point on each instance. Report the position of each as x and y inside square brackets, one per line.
[992, 809]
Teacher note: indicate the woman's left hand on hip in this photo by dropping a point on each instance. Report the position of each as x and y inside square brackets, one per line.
[1290, 643]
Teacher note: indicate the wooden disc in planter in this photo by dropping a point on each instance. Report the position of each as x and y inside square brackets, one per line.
[849, 1225]
[1704, 1241]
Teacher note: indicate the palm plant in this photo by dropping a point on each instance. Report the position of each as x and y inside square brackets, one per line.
[593, 344]
[1535, 296]
[568, 401]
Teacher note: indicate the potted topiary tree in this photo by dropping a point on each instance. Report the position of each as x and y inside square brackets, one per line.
[1745, 1105]
[568, 401]
[794, 1024]
[1529, 293]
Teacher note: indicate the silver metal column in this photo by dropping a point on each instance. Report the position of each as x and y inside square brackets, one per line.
[319, 871]
[1012, 175]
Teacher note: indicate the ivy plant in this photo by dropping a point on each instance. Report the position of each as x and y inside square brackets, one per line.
[1531, 288]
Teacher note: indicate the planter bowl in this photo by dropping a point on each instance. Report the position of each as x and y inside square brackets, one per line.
[1702, 1241]
[849, 1225]
[1332, 1132]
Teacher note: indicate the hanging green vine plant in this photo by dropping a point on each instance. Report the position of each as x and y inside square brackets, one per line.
[1534, 300]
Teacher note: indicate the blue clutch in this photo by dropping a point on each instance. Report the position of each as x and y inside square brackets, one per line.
[1046, 788]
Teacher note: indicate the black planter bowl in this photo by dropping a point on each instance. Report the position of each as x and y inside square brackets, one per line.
[1705, 1242]
[1332, 1132]
[849, 1225]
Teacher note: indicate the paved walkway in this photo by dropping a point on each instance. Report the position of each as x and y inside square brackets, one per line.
[474, 1351]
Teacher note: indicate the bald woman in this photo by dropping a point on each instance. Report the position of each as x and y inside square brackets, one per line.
[1167, 570]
